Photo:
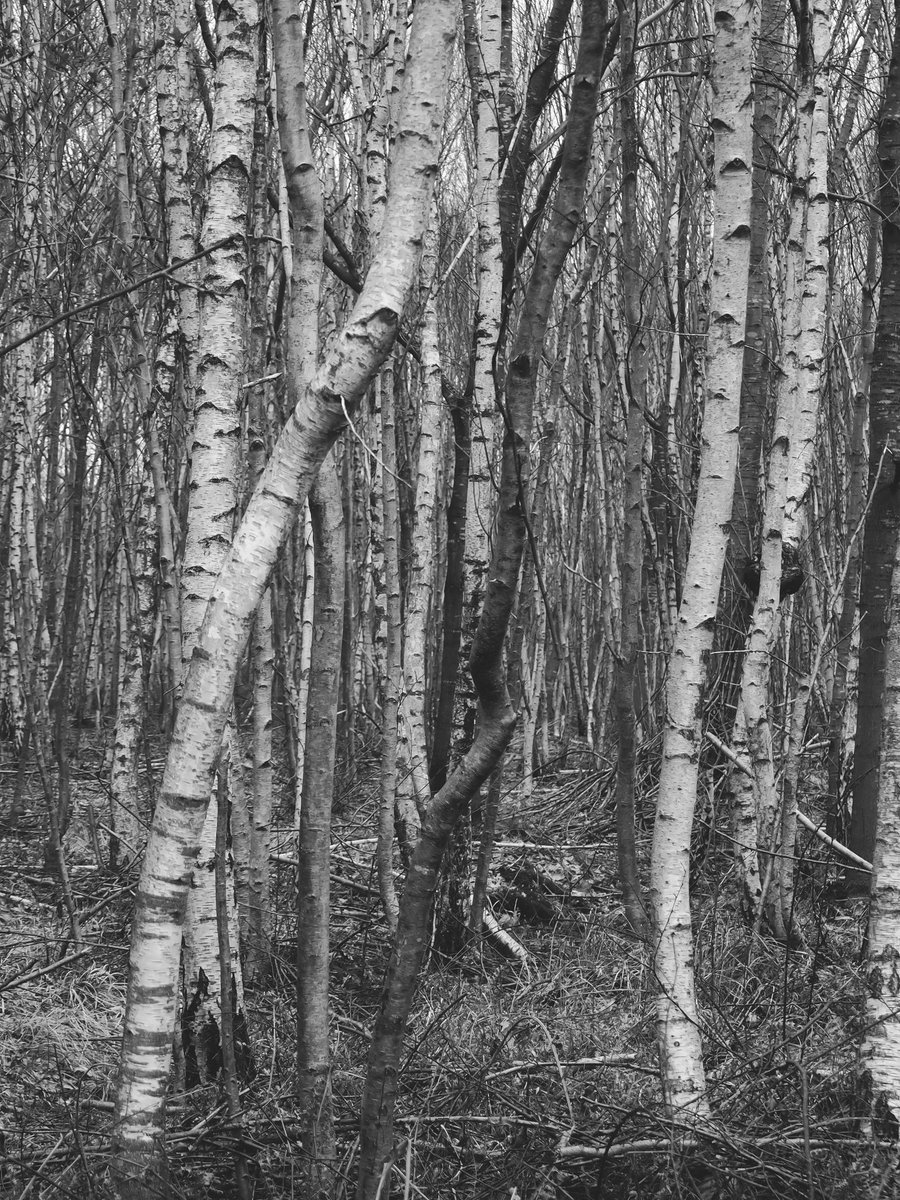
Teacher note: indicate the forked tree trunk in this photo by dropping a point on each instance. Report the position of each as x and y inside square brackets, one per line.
[486, 662]
[799, 391]
[681, 1055]
[350, 363]
[483, 34]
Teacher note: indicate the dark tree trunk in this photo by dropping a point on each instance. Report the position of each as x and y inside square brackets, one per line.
[497, 714]
[883, 522]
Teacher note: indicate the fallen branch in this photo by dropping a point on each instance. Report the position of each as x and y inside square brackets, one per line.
[360, 888]
[614, 1060]
[508, 946]
[646, 1146]
[27, 978]
[729, 754]
[833, 843]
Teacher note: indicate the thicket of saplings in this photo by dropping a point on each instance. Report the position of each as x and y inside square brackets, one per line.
[531, 1077]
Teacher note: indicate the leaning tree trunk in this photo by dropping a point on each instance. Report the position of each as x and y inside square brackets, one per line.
[350, 363]
[497, 716]
[679, 1029]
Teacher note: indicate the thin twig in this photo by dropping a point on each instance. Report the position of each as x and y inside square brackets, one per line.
[832, 842]
[110, 296]
[27, 978]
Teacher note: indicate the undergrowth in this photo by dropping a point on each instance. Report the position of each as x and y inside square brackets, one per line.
[521, 1080]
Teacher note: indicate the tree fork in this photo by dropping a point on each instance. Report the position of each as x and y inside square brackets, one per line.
[497, 714]
[322, 399]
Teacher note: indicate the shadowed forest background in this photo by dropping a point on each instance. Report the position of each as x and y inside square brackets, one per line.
[450, 646]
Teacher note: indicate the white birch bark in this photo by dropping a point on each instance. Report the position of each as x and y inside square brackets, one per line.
[216, 463]
[790, 457]
[175, 100]
[174, 26]
[299, 681]
[412, 746]
[408, 822]
[350, 362]
[811, 190]
[880, 1052]
[678, 1015]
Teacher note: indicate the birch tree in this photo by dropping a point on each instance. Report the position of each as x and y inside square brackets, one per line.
[797, 408]
[322, 398]
[731, 119]
[215, 460]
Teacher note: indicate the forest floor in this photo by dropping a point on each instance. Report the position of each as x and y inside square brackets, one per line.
[522, 1080]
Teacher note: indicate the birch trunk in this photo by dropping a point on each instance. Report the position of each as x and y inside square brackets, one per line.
[795, 414]
[304, 623]
[632, 543]
[881, 1050]
[678, 1017]
[419, 611]
[175, 99]
[842, 724]
[321, 400]
[408, 823]
[483, 38]
[215, 464]
[313, 879]
[757, 389]
[806, 372]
